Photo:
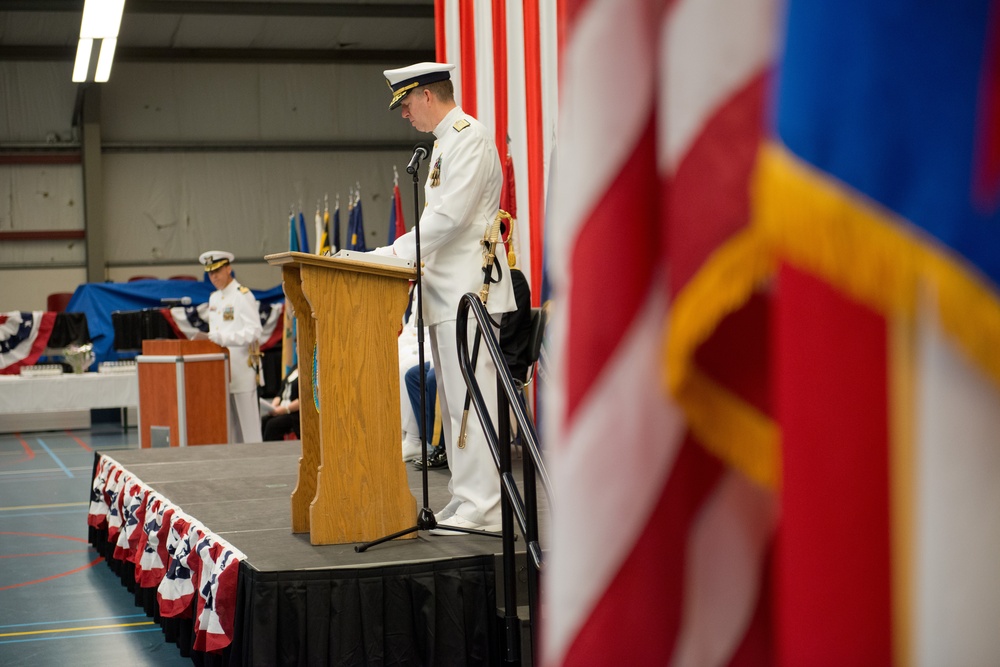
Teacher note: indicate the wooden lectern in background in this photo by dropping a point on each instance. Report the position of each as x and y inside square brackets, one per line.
[352, 485]
[183, 391]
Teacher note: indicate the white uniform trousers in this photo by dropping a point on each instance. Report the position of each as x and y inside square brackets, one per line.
[244, 417]
[475, 482]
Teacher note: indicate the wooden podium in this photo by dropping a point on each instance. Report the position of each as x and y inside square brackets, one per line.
[183, 393]
[352, 485]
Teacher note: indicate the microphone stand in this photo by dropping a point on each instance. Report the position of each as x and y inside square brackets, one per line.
[425, 517]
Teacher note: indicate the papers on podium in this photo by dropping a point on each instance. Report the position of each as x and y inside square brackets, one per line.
[372, 258]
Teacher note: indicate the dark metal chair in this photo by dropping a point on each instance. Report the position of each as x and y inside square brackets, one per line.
[539, 318]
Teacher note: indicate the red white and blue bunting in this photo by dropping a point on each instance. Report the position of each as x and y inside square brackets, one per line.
[23, 338]
[193, 570]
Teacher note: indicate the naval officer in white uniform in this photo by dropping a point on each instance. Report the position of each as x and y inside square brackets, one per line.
[234, 323]
[462, 197]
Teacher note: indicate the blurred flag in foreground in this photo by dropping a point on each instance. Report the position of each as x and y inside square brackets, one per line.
[786, 384]
[878, 190]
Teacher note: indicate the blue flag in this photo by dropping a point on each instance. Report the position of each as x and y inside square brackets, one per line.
[293, 236]
[883, 172]
[356, 229]
[303, 234]
[289, 332]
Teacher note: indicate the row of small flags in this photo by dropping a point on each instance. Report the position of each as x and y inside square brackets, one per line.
[328, 243]
[328, 239]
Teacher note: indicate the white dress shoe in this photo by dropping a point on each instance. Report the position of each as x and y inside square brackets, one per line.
[448, 510]
[457, 521]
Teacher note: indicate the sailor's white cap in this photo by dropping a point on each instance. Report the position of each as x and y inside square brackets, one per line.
[215, 259]
[401, 81]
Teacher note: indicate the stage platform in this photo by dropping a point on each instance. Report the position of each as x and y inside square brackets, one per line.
[429, 600]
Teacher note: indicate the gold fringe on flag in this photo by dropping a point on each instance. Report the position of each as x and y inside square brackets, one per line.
[804, 218]
[872, 254]
[729, 427]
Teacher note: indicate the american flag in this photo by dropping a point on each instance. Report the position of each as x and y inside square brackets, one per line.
[659, 542]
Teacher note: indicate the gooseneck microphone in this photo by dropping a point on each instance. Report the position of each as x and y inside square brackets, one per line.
[420, 152]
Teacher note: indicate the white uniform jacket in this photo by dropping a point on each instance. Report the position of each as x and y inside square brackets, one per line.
[234, 323]
[462, 196]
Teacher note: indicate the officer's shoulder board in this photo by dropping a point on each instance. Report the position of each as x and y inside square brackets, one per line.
[461, 124]
[244, 289]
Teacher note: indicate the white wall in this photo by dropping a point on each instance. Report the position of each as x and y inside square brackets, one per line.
[27, 289]
[258, 275]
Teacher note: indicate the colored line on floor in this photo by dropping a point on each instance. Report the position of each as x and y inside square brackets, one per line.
[73, 620]
[81, 629]
[14, 508]
[47, 513]
[54, 457]
[34, 473]
[94, 562]
[29, 453]
[46, 553]
[91, 634]
[49, 535]
[80, 442]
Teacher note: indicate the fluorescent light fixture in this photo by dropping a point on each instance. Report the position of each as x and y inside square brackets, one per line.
[104, 59]
[101, 18]
[82, 64]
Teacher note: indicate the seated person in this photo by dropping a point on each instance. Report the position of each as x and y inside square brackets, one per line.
[281, 416]
[409, 357]
[515, 335]
[436, 457]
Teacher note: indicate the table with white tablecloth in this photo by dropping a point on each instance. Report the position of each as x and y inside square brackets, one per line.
[68, 392]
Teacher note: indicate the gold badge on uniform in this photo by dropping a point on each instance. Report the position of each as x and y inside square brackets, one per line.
[436, 173]
[228, 314]
[461, 124]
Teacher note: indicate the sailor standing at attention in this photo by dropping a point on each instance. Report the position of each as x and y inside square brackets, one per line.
[462, 198]
[234, 323]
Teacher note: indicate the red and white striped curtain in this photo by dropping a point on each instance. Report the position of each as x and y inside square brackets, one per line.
[505, 53]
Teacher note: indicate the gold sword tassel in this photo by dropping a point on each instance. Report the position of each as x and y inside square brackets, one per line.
[254, 361]
[490, 239]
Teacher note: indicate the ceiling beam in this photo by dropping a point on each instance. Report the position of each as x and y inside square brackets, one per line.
[213, 7]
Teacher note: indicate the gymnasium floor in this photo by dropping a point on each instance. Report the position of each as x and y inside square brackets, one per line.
[59, 603]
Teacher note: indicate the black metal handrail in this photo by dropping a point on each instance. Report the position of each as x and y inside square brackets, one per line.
[511, 502]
